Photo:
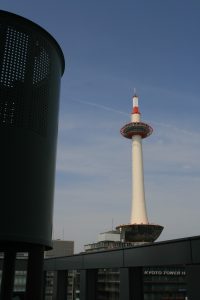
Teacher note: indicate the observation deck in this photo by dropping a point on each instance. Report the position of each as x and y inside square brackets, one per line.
[140, 233]
[136, 128]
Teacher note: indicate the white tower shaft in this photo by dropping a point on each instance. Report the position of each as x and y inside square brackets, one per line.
[138, 211]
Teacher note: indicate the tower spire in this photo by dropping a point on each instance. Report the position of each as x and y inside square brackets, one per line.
[135, 103]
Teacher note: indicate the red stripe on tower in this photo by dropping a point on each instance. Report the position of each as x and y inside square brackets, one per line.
[135, 105]
[135, 110]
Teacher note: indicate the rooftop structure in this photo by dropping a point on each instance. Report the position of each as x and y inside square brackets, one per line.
[107, 240]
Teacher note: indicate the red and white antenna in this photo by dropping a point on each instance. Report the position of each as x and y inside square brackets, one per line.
[135, 103]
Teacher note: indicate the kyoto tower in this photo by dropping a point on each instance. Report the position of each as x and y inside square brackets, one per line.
[139, 230]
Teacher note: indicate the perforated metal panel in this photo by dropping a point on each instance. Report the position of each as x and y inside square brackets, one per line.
[31, 65]
[25, 63]
[14, 57]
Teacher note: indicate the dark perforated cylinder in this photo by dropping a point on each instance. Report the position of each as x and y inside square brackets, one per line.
[31, 66]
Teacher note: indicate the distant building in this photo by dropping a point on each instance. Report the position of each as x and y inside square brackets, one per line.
[60, 248]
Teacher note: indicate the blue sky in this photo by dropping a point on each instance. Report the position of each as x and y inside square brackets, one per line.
[110, 47]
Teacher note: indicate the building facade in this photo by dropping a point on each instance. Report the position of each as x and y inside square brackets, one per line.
[159, 283]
